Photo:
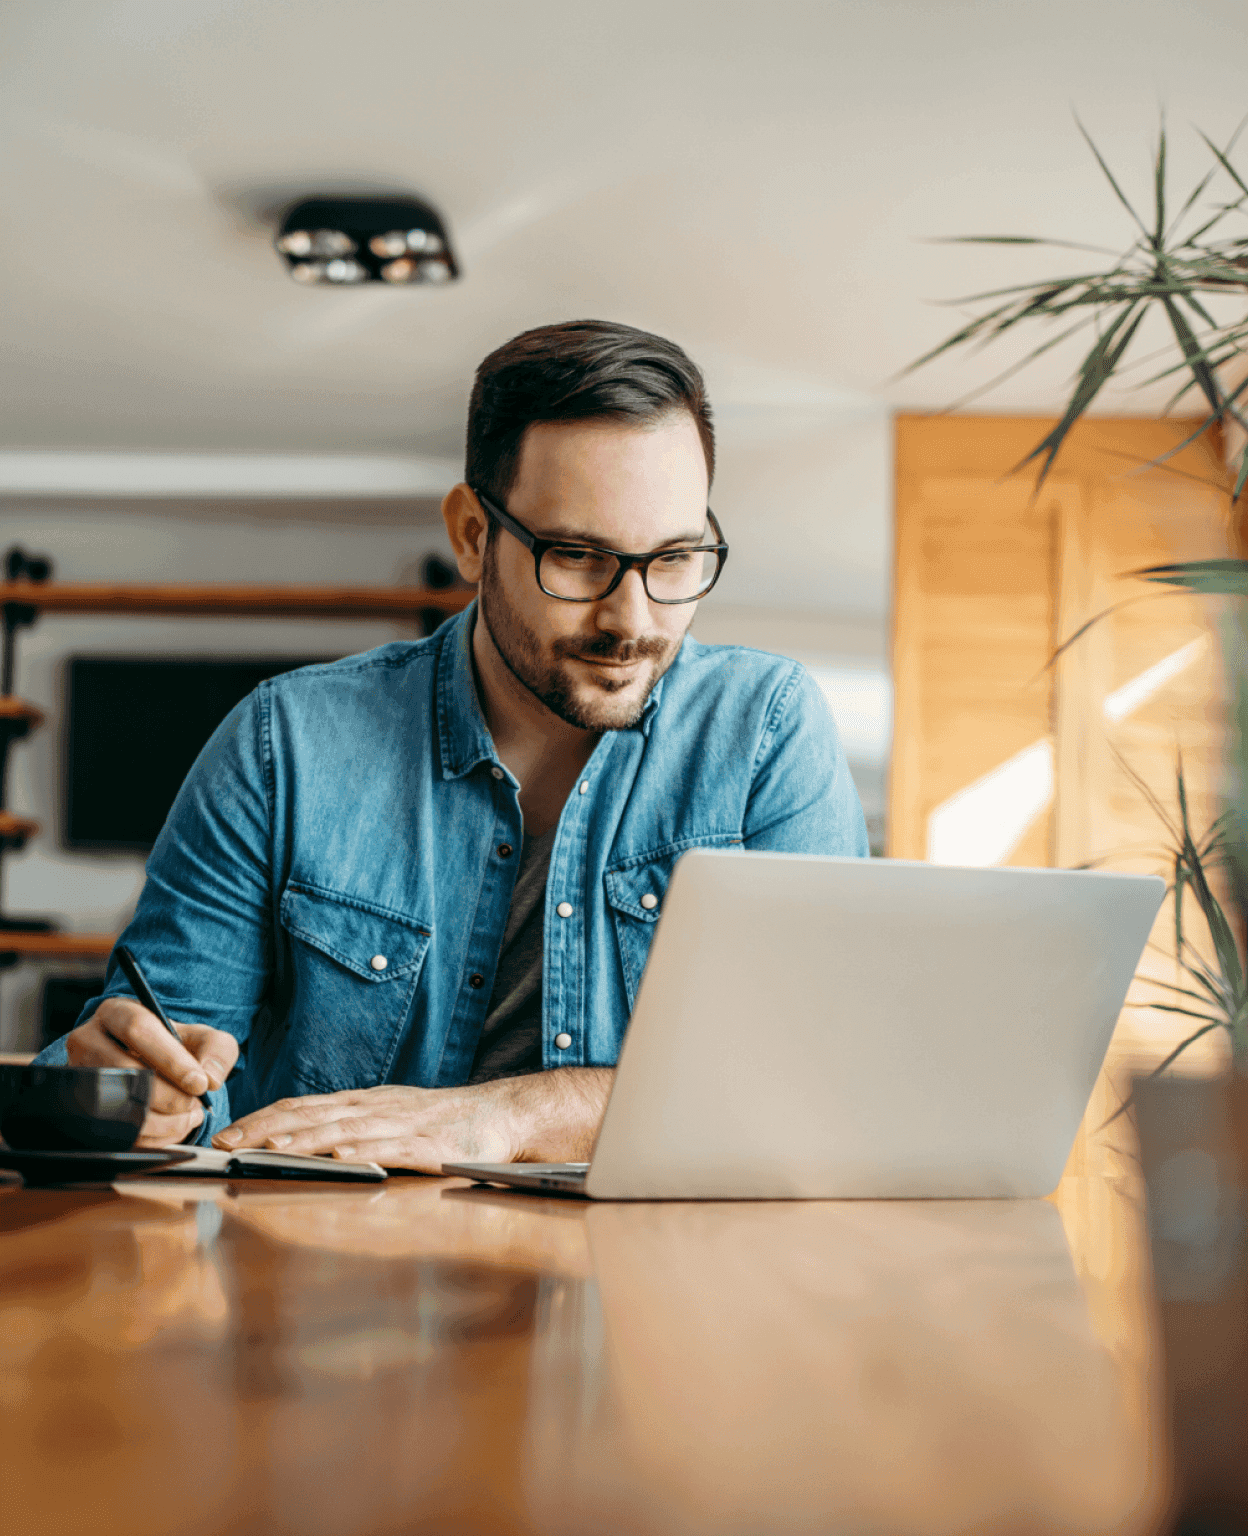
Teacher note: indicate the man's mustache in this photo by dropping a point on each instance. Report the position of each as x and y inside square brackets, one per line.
[612, 648]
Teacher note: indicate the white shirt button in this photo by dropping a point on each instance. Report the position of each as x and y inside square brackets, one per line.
[497, 772]
[564, 909]
[649, 902]
[563, 1041]
[584, 787]
[379, 962]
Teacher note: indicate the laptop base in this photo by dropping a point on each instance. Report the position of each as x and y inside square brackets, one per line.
[552, 1178]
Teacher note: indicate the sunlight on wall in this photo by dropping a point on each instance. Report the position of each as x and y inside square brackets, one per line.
[983, 823]
[1126, 700]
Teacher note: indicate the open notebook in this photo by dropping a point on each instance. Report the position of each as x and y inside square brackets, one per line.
[209, 1163]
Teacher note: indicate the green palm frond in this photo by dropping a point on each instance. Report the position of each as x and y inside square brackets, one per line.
[1212, 578]
[1218, 990]
[1167, 267]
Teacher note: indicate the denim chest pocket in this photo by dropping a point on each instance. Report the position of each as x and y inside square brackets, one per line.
[636, 889]
[355, 968]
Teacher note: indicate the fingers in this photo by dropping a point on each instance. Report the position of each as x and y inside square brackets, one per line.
[92, 1046]
[168, 1130]
[421, 1154]
[216, 1050]
[328, 1135]
[143, 1035]
[286, 1117]
[121, 1033]
[168, 1100]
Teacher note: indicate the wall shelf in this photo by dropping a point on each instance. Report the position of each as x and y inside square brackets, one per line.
[233, 600]
[17, 712]
[56, 946]
[16, 831]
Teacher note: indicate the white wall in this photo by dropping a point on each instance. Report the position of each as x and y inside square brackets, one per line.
[805, 497]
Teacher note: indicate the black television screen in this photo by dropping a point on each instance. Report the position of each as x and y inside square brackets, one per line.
[136, 724]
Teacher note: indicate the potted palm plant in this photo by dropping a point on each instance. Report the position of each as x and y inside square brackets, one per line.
[1193, 1134]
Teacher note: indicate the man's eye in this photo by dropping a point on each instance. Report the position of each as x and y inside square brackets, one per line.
[676, 559]
[582, 559]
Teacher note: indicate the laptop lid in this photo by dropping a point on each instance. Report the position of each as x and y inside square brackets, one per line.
[815, 1027]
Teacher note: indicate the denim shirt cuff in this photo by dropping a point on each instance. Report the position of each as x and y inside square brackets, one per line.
[216, 1118]
[54, 1055]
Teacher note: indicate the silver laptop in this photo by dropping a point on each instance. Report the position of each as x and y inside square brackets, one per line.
[819, 1028]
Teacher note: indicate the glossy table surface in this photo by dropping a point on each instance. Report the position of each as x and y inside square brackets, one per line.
[431, 1356]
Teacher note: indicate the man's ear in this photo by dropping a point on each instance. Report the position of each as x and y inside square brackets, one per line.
[467, 526]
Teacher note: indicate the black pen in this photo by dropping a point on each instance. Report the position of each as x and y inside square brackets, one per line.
[144, 993]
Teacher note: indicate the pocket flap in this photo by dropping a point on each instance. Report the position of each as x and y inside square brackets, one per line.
[375, 943]
[638, 886]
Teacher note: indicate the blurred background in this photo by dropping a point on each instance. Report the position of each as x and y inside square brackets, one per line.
[763, 184]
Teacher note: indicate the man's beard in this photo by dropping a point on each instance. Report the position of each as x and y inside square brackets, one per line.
[544, 672]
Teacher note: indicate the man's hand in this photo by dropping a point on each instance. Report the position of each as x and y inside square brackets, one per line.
[121, 1033]
[545, 1117]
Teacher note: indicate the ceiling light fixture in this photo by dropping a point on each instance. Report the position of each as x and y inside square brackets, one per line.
[340, 242]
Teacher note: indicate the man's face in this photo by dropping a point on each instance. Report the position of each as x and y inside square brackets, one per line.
[618, 487]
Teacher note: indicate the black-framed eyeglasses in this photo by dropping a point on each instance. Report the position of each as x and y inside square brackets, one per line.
[583, 573]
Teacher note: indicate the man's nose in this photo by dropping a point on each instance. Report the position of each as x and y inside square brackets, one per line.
[626, 612]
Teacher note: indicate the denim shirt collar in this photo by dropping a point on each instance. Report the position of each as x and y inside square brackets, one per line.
[465, 737]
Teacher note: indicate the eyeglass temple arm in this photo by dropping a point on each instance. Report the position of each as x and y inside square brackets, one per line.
[505, 520]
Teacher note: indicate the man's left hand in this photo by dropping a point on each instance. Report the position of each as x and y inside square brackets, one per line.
[543, 1117]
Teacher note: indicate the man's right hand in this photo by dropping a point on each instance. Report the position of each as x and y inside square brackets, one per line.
[122, 1033]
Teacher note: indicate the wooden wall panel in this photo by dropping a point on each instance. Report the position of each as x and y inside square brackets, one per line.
[974, 606]
[990, 576]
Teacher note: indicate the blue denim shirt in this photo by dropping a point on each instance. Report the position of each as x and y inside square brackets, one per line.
[332, 883]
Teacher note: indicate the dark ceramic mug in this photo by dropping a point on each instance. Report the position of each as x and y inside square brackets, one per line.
[58, 1109]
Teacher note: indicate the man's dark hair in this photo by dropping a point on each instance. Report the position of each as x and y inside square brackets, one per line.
[578, 371]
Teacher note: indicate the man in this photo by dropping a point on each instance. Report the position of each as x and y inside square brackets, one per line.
[411, 894]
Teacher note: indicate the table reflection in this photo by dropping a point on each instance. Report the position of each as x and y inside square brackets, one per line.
[433, 1356]
[897, 1367]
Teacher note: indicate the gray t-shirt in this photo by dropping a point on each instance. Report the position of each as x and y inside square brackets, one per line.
[511, 1037]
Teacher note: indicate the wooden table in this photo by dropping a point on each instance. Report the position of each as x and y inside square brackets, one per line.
[432, 1357]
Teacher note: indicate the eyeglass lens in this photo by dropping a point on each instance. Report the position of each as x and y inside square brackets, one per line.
[679, 575]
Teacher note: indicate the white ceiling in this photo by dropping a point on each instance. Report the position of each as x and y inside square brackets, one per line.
[754, 180]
